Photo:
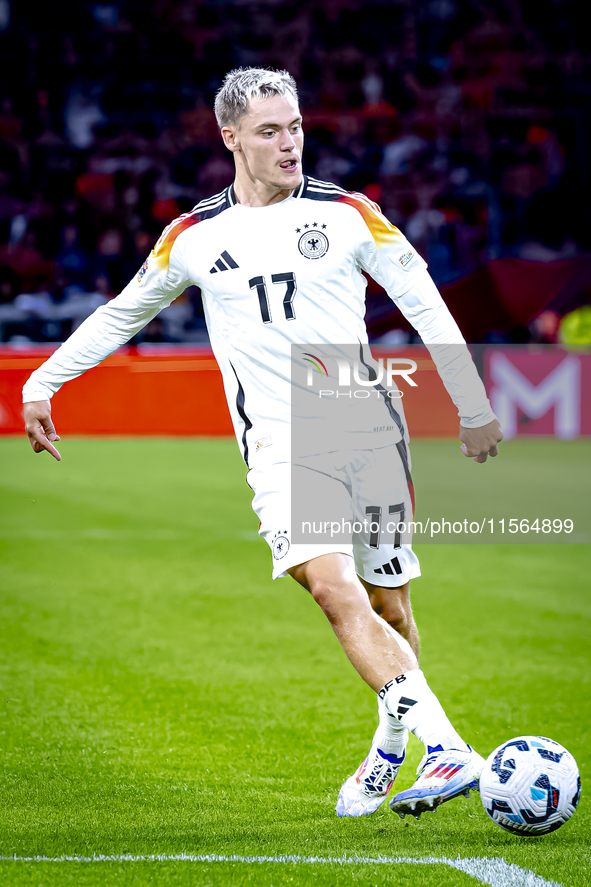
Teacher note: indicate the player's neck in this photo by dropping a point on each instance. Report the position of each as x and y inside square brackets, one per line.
[255, 193]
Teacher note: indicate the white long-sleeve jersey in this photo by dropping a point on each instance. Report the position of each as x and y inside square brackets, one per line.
[272, 277]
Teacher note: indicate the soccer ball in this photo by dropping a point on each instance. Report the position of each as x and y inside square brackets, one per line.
[530, 785]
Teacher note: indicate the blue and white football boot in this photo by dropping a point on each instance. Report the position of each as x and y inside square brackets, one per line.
[365, 791]
[442, 775]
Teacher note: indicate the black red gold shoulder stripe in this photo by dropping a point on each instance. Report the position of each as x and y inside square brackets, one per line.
[206, 209]
[382, 231]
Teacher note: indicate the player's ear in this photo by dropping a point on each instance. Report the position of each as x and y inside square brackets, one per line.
[229, 135]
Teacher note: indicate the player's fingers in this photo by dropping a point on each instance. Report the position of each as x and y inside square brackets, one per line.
[51, 449]
[40, 442]
[50, 435]
[49, 429]
[494, 451]
[481, 457]
[470, 453]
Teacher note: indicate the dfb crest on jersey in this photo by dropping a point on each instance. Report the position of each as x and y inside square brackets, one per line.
[280, 545]
[313, 244]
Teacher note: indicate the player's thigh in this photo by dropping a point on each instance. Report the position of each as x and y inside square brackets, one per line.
[297, 533]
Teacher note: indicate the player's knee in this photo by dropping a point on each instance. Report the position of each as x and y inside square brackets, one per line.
[335, 598]
[393, 606]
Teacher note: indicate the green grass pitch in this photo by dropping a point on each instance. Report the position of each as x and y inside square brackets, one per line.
[161, 695]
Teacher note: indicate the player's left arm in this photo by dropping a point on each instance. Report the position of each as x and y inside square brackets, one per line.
[480, 443]
[421, 303]
[387, 255]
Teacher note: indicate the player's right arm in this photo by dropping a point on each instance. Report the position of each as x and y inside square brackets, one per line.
[160, 280]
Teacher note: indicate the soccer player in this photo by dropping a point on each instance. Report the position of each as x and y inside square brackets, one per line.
[279, 257]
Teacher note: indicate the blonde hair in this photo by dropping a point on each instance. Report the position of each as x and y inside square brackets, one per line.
[244, 84]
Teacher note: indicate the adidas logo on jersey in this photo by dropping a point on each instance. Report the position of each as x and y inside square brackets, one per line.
[224, 263]
[387, 568]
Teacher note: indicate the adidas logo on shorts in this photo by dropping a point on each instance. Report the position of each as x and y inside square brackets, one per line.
[387, 568]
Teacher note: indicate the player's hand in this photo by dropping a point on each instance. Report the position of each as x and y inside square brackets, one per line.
[480, 443]
[39, 427]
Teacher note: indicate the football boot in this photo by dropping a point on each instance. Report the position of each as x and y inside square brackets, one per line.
[365, 791]
[441, 776]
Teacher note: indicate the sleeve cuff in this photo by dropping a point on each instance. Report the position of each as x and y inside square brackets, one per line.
[38, 394]
[479, 420]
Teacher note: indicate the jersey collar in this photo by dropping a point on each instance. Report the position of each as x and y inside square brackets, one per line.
[299, 192]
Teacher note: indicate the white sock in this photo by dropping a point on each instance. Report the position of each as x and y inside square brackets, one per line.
[390, 737]
[414, 705]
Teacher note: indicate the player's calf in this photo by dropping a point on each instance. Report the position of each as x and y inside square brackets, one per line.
[393, 605]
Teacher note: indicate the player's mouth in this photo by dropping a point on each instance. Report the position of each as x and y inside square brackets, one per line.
[289, 165]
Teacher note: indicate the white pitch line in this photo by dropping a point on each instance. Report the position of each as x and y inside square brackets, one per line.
[493, 871]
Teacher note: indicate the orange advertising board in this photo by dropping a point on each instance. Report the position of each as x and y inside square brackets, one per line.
[171, 391]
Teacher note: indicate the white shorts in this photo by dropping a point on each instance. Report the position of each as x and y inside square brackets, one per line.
[367, 493]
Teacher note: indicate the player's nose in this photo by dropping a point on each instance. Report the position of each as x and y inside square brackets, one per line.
[287, 142]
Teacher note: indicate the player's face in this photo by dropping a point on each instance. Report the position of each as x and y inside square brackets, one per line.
[270, 140]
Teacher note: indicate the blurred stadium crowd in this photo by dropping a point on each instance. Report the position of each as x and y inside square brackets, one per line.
[467, 120]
